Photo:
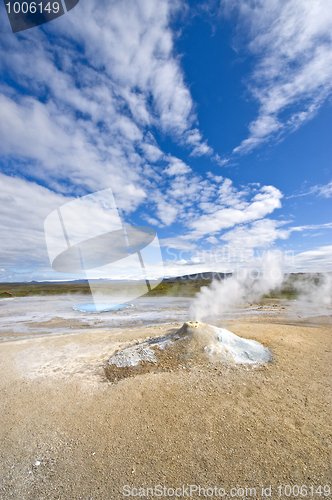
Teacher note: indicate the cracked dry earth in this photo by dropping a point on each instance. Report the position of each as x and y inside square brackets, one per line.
[67, 432]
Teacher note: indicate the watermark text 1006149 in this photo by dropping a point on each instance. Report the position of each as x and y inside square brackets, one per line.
[23, 15]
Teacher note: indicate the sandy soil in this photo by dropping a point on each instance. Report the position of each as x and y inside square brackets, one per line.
[68, 433]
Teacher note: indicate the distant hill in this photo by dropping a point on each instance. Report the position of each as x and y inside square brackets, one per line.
[209, 276]
[199, 276]
[54, 282]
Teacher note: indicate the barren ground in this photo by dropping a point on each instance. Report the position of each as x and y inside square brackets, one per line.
[68, 433]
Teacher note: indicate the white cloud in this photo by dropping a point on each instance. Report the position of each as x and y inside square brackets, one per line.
[166, 211]
[313, 227]
[213, 240]
[260, 234]
[194, 138]
[262, 204]
[153, 222]
[324, 191]
[23, 208]
[316, 260]
[152, 153]
[81, 123]
[185, 189]
[209, 206]
[177, 242]
[83, 114]
[176, 167]
[292, 43]
[215, 178]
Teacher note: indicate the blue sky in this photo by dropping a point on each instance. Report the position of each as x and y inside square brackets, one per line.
[210, 121]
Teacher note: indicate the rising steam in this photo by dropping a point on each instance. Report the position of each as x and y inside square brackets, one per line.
[246, 286]
[312, 293]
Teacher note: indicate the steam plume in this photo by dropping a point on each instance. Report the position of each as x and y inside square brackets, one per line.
[247, 285]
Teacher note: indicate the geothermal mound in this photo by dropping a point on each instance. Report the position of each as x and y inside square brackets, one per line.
[194, 343]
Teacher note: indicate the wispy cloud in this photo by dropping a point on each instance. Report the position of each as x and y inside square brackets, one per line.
[176, 167]
[260, 234]
[324, 191]
[233, 210]
[205, 208]
[265, 233]
[80, 115]
[236, 218]
[317, 260]
[23, 207]
[292, 77]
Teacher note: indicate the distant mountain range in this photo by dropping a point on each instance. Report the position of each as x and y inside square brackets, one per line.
[61, 281]
[200, 276]
[197, 276]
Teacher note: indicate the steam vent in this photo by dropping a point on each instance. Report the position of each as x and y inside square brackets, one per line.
[195, 343]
